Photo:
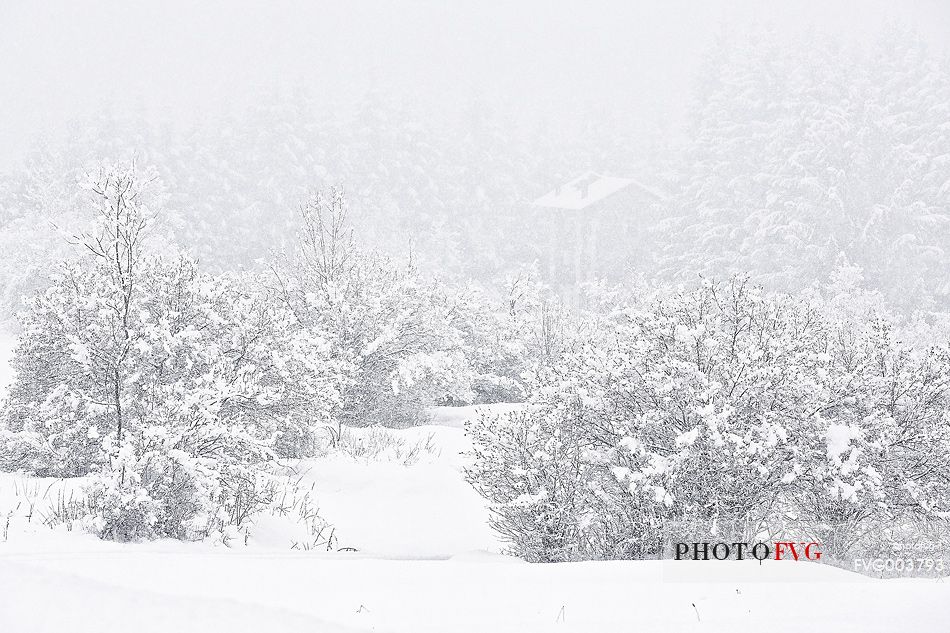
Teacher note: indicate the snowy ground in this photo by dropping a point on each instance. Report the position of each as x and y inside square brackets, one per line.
[426, 561]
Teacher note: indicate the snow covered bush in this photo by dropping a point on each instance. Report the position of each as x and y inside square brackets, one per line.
[531, 466]
[381, 444]
[674, 410]
[722, 411]
[509, 332]
[22, 452]
[877, 452]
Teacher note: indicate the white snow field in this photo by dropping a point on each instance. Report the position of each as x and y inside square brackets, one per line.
[426, 562]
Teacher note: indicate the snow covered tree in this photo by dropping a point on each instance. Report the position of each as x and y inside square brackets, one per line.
[802, 156]
[175, 389]
[396, 329]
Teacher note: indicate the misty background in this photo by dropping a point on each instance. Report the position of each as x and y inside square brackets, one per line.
[783, 140]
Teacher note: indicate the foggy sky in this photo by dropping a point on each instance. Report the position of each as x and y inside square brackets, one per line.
[182, 60]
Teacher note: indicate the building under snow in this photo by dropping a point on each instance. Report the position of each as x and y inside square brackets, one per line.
[590, 216]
